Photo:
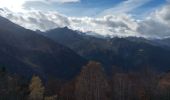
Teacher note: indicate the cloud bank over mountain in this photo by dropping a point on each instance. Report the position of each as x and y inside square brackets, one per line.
[154, 25]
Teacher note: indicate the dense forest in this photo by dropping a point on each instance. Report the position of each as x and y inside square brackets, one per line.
[91, 84]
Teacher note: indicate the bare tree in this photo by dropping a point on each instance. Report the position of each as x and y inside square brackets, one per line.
[92, 83]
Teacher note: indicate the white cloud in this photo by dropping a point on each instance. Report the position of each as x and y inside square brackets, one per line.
[17, 5]
[61, 1]
[122, 25]
[53, 1]
[119, 25]
[157, 24]
[162, 15]
[36, 19]
[124, 7]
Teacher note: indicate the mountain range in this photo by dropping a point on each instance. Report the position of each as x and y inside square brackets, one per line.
[129, 53]
[62, 52]
[25, 52]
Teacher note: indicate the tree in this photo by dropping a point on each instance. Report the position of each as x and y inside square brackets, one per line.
[164, 86]
[3, 82]
[36, 89]
[67, 91]
[92, 83]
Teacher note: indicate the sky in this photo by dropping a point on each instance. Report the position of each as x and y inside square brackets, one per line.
[141, 18]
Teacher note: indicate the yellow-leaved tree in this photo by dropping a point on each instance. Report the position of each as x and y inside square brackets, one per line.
[36, 89]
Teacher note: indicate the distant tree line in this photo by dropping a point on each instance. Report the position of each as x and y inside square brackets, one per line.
[91, 84]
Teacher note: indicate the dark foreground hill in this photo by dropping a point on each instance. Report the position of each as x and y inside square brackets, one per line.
[24, 52]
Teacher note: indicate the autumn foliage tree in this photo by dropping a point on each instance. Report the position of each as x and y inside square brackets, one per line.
[36, 89]
[92, 84]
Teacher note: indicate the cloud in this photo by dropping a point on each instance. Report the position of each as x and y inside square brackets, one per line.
[36, 19]
[18, 5]
[53, 1]
[122, 25]
[124, 7]
[162, 15]
[155, 25]
[61, 1]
